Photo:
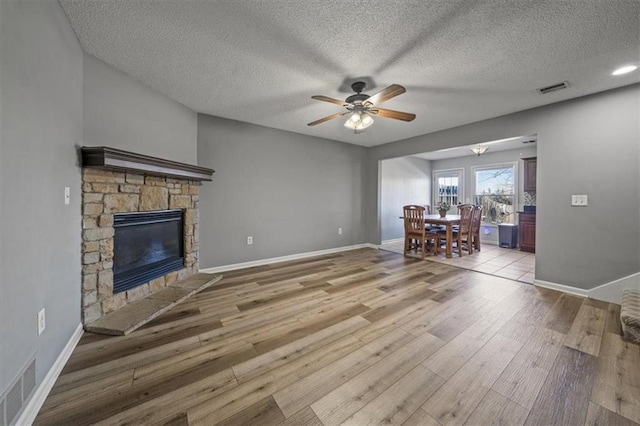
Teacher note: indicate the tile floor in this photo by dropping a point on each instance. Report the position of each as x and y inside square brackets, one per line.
[502, 262]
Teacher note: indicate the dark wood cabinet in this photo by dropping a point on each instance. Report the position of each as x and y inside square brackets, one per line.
[527, 232]
[530, 165]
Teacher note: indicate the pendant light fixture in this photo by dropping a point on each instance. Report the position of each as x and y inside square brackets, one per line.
[479, 150]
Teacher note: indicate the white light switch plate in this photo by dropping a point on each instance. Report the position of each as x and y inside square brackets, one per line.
[67, 195]
[41, 322]
[579, 200]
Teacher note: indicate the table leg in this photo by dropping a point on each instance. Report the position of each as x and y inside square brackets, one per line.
[449, 250]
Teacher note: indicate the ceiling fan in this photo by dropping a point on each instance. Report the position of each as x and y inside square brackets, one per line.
[362, 107]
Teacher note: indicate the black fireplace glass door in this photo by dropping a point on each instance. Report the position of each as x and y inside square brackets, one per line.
[147, 245]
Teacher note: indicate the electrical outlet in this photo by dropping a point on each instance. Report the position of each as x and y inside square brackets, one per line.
[42, 324]
[67, 195]
[339, 231]
[579, 200]
[249, 240]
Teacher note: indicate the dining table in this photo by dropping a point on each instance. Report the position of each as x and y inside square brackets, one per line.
[448, 221]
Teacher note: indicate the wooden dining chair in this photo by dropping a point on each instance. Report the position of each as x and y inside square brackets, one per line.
[476, 220]
[460, 208]
[415, 234]
[462, 235]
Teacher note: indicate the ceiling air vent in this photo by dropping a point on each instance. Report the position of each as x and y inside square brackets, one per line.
[549, 89]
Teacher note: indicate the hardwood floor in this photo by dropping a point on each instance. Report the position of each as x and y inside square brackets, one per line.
[359, 337]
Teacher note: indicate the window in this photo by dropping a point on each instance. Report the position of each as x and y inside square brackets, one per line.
[448, 187]
[495, 191]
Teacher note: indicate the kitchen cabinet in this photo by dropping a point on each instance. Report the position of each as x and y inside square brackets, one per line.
[527, 231]
[530, 165]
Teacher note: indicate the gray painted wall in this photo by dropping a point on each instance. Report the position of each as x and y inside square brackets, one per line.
[291, 192]
[404, 180]
[121, 112]
[41, 124]
[585, 146]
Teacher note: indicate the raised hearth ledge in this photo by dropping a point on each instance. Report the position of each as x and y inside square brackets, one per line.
[136, 314]
[103, 157]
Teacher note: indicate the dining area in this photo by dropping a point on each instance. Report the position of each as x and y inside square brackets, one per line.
[446, 240]
[497, 186]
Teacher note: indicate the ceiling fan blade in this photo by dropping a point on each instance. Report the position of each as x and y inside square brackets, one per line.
[330, 100]
[396, 115]
[386, 94]
[327, 118]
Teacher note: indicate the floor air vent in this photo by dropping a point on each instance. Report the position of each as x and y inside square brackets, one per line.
[549, 89]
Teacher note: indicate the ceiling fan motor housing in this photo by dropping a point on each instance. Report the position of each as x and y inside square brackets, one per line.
[359, 98]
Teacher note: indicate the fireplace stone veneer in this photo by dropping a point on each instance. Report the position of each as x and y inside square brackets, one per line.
[106, 192]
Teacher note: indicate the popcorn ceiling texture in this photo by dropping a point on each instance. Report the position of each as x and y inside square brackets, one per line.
[461, 61]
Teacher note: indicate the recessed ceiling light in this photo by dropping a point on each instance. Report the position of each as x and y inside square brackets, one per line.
[625, 70]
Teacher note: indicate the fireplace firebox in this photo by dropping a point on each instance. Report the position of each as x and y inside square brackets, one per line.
[147, 245]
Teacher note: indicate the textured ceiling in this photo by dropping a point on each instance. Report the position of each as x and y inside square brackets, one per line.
[461, 60]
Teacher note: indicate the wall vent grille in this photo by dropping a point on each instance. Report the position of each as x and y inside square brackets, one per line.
[12, 402]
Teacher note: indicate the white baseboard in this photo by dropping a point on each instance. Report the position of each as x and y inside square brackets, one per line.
[612, 292]
[609, 292]
[561, 287]
[31, 409]
[283, 258]
[393, 241]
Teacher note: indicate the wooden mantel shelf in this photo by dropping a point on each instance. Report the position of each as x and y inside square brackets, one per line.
[103, 157]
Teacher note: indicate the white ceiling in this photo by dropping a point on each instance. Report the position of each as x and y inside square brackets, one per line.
[461, 60]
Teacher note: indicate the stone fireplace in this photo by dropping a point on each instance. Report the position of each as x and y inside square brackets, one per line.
[117, 186]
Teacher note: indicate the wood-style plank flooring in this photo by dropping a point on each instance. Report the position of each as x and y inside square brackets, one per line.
[359, 337]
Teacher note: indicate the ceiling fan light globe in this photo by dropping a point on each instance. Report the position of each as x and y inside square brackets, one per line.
[367, 120]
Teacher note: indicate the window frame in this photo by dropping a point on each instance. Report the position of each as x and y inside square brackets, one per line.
[516, 183]
[454, 172]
